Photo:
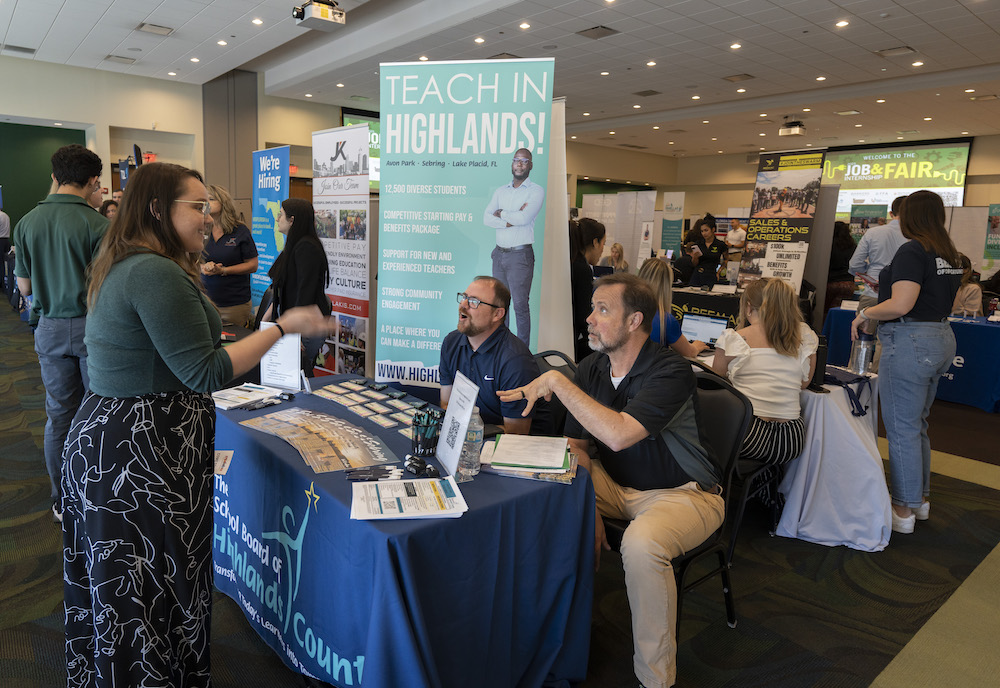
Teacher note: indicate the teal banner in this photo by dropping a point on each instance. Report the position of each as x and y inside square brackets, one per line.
[270, 188]
[465, 154]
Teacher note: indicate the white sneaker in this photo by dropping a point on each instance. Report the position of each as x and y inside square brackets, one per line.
[903, 525]
[924, 512]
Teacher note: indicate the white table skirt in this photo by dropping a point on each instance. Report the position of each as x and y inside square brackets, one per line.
[835, 492]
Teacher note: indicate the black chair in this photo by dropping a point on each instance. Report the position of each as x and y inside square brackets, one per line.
[265, 303]
[729, 413]
[556, 411]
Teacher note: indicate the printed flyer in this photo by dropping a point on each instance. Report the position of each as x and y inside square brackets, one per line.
[781, 217]
[341, 201]
[465, 151]
[270, 188]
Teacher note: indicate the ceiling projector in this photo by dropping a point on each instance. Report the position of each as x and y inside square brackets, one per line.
[792, 129]
[324, 15]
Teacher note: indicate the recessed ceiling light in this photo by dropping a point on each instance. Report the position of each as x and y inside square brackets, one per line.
[927, 119]
[340, 85]
[806, 109]
[736, 46]
[636, 107]
[670, 143]
[607, 180]
[258, 22]
[586, 114]
[423, 58]
[57, 124]
[808, 144]
[715, 138]
[821, 78]
[741, 90]
[861, 140]
[195, 59]
[970, 90]
[880, 100]
[309, 95]
[221, 43]
[842, 23]
[695, 97]
[655, 127]
[763, 114]
[171, 73]
[480, 39]
[650, 64]
[761, 134]
[586, 177]
[965, 133]
[525, 25]
[857, 125]
[605, 73]
[572, 137]
[612, 133]
[899, 138]
[704, 121]
[762, 148]
[918, 63]
[720, 151]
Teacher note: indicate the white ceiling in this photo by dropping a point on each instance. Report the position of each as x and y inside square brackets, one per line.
[785, 47]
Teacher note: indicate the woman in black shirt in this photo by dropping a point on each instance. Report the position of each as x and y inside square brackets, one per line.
[916, 291]
[708, 255]
[586, 244]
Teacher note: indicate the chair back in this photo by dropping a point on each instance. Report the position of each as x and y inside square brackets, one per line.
[728, 413]
[553, 420]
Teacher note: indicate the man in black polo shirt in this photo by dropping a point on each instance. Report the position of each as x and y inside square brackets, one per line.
[488, 354]
[635, 399]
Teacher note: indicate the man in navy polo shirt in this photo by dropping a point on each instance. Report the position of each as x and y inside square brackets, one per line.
[488, 354]
[635, 400]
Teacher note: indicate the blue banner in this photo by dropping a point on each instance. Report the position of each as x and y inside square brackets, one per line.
[465, 151]
[270, 188]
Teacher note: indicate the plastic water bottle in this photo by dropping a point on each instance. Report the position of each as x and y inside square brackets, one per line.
[468, 461]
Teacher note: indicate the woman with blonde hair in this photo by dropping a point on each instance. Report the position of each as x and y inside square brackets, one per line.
[138, 462]
[666, 329]
[770, 358]
[916, 293]
[969, 299]
[616, 260]
[230, 257]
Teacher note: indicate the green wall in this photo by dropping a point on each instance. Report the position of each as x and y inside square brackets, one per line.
[26, 164]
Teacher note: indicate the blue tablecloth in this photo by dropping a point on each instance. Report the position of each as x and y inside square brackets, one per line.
[499, 597]
[974, 377]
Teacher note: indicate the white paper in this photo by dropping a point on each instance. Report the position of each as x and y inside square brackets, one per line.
[849, 305]
[530, 452]
[464, 393]
[222, 460]
[243, 395]
[281, 364]
[720, 288]
[396, 499]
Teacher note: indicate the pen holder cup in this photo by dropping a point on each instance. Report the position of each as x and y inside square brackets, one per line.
[425, 436]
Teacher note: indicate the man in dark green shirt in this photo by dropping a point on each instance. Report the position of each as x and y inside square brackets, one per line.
[55, 243]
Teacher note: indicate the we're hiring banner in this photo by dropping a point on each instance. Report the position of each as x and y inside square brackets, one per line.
[341, 162]
[270, 188]
[465, 155]
[781, 217]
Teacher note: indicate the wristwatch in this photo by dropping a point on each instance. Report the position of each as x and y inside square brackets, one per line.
[863, 315]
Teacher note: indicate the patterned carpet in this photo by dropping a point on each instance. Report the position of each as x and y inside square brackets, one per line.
[808, 615]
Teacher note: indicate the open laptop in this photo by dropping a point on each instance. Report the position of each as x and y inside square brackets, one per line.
[703, 327]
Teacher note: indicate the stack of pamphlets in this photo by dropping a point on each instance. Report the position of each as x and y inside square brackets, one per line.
[243, 396]
[396, 499]
[526, 456]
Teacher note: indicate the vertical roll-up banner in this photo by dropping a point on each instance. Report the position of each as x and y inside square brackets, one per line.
[270, 188]
[673, 220]
[341, 201]
[992, 249]
[465, 154]
[781, 217]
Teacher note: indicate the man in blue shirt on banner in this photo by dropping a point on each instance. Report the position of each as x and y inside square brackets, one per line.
[488, 354]
[511, 212]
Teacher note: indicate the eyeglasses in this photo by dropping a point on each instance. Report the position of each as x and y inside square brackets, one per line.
[523, 161]
[473, 301]
[206, 206]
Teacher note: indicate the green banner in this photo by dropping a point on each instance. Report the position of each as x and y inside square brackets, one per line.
[993, 232]
[465, 151]
[864, 217]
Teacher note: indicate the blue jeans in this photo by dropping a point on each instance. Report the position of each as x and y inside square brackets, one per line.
[914, 356]
[62, 358]
[516, 269]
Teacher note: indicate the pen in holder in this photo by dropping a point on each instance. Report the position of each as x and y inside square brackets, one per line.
[425, 431]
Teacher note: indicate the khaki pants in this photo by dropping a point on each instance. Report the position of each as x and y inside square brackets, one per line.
[664, 524]
[240, 314]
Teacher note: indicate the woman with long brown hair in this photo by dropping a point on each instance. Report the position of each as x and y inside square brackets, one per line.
[138, 461]
[770, 358]
[916, 292]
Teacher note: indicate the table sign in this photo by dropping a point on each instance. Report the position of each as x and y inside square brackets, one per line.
[720, 288]
[464, 393]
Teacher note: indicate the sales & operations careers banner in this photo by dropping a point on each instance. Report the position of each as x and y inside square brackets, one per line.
[449, 132]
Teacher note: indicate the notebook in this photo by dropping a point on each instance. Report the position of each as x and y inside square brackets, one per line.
[703, 327]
